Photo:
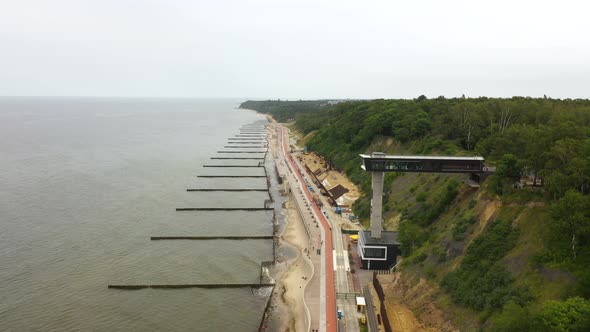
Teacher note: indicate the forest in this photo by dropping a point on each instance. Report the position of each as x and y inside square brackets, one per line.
[544, 140]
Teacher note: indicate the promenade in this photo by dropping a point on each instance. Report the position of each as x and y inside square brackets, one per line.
[312, 216]
[323, 229]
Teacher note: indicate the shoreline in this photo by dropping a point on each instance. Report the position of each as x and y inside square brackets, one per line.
[294, 268]
[294, 280]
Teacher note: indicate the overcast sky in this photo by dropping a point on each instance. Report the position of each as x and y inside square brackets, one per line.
[295, 49]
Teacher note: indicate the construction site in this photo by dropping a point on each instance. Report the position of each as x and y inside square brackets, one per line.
[333, 185]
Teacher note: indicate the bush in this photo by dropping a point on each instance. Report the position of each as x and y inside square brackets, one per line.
[421, 197]
[570, 315]
[411, 237]
[481, 282]
[421, 257]
[362, 207]
[508, 172]
[460, 226]
[430, 272]
[440, 202]
[513, 318]
[440, 253]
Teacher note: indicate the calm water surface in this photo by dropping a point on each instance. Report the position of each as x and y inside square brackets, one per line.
[84, 183]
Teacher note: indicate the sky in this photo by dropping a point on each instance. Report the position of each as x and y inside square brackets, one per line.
[295, 49]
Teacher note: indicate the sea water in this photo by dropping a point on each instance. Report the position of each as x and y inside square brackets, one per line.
[85, 182]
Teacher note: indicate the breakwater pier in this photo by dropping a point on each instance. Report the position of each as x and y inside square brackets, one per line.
[229, 205]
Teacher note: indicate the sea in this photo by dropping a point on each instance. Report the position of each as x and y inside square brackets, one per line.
[85, 183]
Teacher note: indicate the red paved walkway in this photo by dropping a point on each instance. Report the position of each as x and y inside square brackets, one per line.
[331, 322]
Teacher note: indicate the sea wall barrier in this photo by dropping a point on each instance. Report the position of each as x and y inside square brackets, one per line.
[300, 209]
[133, 287]
[265, 313]
[228, 237]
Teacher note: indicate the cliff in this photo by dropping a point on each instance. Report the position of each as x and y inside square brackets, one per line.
[511, 254]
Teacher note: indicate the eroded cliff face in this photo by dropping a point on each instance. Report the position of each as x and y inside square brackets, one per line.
[410, 304]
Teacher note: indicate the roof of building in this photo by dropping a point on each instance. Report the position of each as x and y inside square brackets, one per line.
[395, 157]
[387, 237]
[338, 191]
[360, 300]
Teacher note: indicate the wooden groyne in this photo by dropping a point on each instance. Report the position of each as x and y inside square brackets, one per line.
[258, 142]
[134, 287]
[233, 166]
[243, 147]
[242, 151]
[251, 144]
[225, 209]
[231, 176]
[238, 157]
[221, 189]
[246, 139]
[227, 237]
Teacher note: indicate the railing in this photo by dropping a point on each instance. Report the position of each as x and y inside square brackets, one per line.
[371, 317]
[347, 296]
[381, 296]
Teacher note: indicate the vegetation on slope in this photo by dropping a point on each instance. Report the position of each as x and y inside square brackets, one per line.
[527, 257]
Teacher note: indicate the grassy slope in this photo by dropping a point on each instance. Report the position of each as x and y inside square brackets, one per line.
[443, 251]
[530, 218]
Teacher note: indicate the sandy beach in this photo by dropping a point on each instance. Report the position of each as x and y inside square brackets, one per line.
[294, 271]
[291, 285]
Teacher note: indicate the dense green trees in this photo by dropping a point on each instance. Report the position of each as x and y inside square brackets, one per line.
[507, 173]
[545, 139]
[284, 111]
[549, 138]
[570, 315]
[513, 318]
[571, 217]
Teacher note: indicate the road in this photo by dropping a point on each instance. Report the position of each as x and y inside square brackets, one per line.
[328, 319]
[335, 271]
[343, 277]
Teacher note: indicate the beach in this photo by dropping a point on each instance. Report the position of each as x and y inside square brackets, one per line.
[296, 296]
[291, 286]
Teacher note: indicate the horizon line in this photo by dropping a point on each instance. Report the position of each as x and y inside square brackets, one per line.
[289, 99]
